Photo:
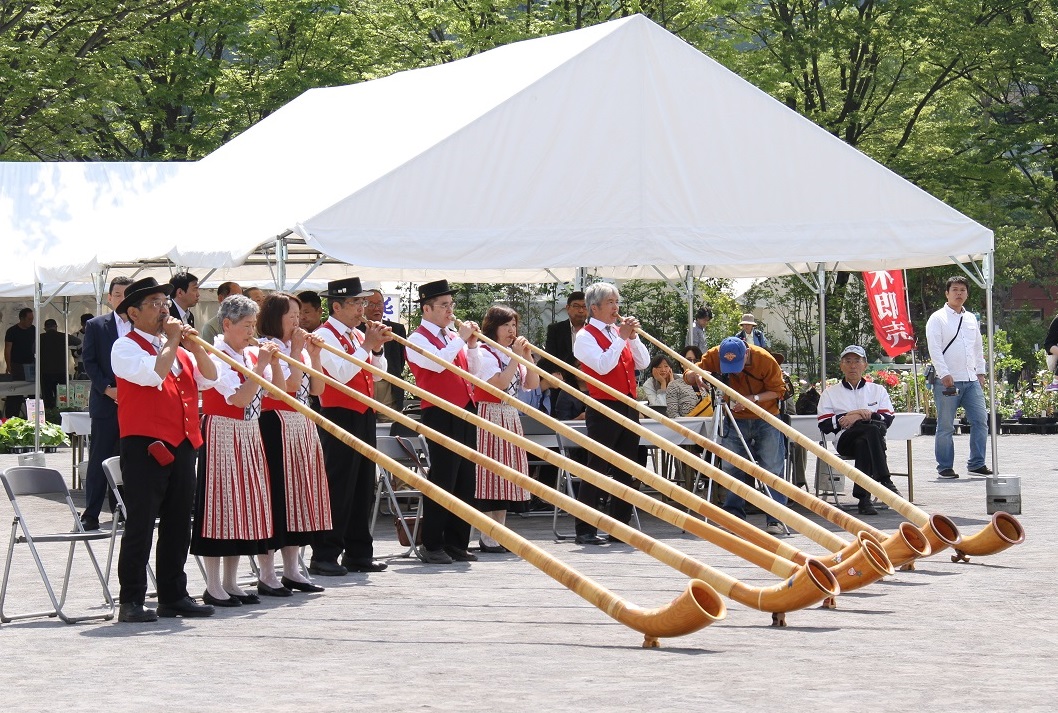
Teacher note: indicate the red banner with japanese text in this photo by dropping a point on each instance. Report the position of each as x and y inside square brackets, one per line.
[892, 323]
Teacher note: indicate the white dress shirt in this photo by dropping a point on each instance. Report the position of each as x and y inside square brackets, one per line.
[130, 362]
[454, 345]
[228, 380]
[965, 358]
[341, 369]
[589, 353]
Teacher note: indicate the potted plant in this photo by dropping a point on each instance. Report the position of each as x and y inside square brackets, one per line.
[16, 436]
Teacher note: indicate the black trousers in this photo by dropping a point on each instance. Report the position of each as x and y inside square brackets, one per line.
[866, 445]
[165, 493]
[351, 483]
[452, 473]
[103, 445]
[620, 440]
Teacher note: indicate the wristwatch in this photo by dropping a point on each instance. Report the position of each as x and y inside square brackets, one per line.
[756, 398]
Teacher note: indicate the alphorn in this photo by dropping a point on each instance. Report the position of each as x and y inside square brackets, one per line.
[906, 546]
[807, 584]
[696, 607]
[1002, 532]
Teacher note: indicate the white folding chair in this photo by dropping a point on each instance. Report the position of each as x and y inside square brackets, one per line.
[46, 483]
[413, 453]
[112, 470]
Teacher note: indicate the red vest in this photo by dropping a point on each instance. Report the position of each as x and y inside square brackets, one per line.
[479, 393]
[362, 381]
[622, 377]
[170, 414]
[213, 404]
[444, 384]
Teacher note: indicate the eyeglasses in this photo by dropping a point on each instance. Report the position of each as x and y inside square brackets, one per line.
[158, 304]
[445, 305]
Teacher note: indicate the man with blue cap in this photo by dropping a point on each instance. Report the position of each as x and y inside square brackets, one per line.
[753, 372]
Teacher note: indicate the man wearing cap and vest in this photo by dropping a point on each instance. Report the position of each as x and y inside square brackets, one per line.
[350, 476]
[159, 371]
[859, 412]
[609, 349]
[445, 536]
[753, 372]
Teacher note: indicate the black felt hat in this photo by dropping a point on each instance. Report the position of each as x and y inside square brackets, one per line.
[140, 289]
[349, 287]
[434, 289]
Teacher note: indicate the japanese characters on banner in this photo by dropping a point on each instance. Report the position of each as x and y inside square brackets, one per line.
[892, 323]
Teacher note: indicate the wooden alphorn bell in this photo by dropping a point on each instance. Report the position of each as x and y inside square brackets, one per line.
[902, 547]
[807, 583]
[855, 564]
[695, 608]
[1002, 532]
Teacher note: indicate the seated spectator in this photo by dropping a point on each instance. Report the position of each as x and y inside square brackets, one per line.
[566, 407]
[859, 411]
[680, 398]
[657, 383]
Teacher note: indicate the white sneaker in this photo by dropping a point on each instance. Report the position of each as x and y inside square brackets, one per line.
[775, 528]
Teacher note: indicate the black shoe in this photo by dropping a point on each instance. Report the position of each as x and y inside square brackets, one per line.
[90, 523]
[327, 569]
[890, 485]
[614, 540]
[982, 470]
[292, 585]
[434, 556]
[589, 540]
[248, 598]
[184, 607]
[948, 474]
[865, 507]
[459, 555]
[136, 614]
[266, 591]
[497, 550]
[367, 566]
[231, 601]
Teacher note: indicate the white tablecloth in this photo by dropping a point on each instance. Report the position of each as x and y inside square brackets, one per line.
[76, 423]
[905, 426]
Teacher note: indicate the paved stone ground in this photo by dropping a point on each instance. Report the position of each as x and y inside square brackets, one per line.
[500, 635]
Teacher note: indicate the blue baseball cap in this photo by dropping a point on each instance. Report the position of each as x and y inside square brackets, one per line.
[732, 355]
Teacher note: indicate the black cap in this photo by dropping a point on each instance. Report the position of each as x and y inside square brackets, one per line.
[349, 287]
[140, 289]
[434, 289]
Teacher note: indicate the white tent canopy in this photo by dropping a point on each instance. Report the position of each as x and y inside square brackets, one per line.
[617, 146]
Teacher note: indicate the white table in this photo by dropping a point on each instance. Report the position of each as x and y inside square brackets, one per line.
[78, 425]
[16, 388]
[540, 434]
[905, 427]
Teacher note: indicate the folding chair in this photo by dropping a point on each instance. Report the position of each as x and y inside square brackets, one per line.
[531, 427]
[112, 470]
[564, 484]
[413, 453]
[829, 482]
[24, 481]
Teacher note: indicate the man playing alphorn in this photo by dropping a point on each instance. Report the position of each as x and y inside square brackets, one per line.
[350, 476]
[158, 383]
[445, 537]
[609, 349]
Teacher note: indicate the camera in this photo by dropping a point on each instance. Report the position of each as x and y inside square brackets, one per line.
[950, 391]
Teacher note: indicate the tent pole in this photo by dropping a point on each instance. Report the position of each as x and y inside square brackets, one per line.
[821, 291]
[914, 356]
[689, 287]
[37, 287]
[281, 262]
[988, 267]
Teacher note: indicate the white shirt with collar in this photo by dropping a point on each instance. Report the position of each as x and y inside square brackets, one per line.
[965, 358]
[341, 369]
[132, 363]
[124, 326]
[454, 345]
[589, 353]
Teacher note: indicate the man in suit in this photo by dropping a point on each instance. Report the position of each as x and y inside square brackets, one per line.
[373, 312]
[560, 336]
[185, 296]
[100, 334]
